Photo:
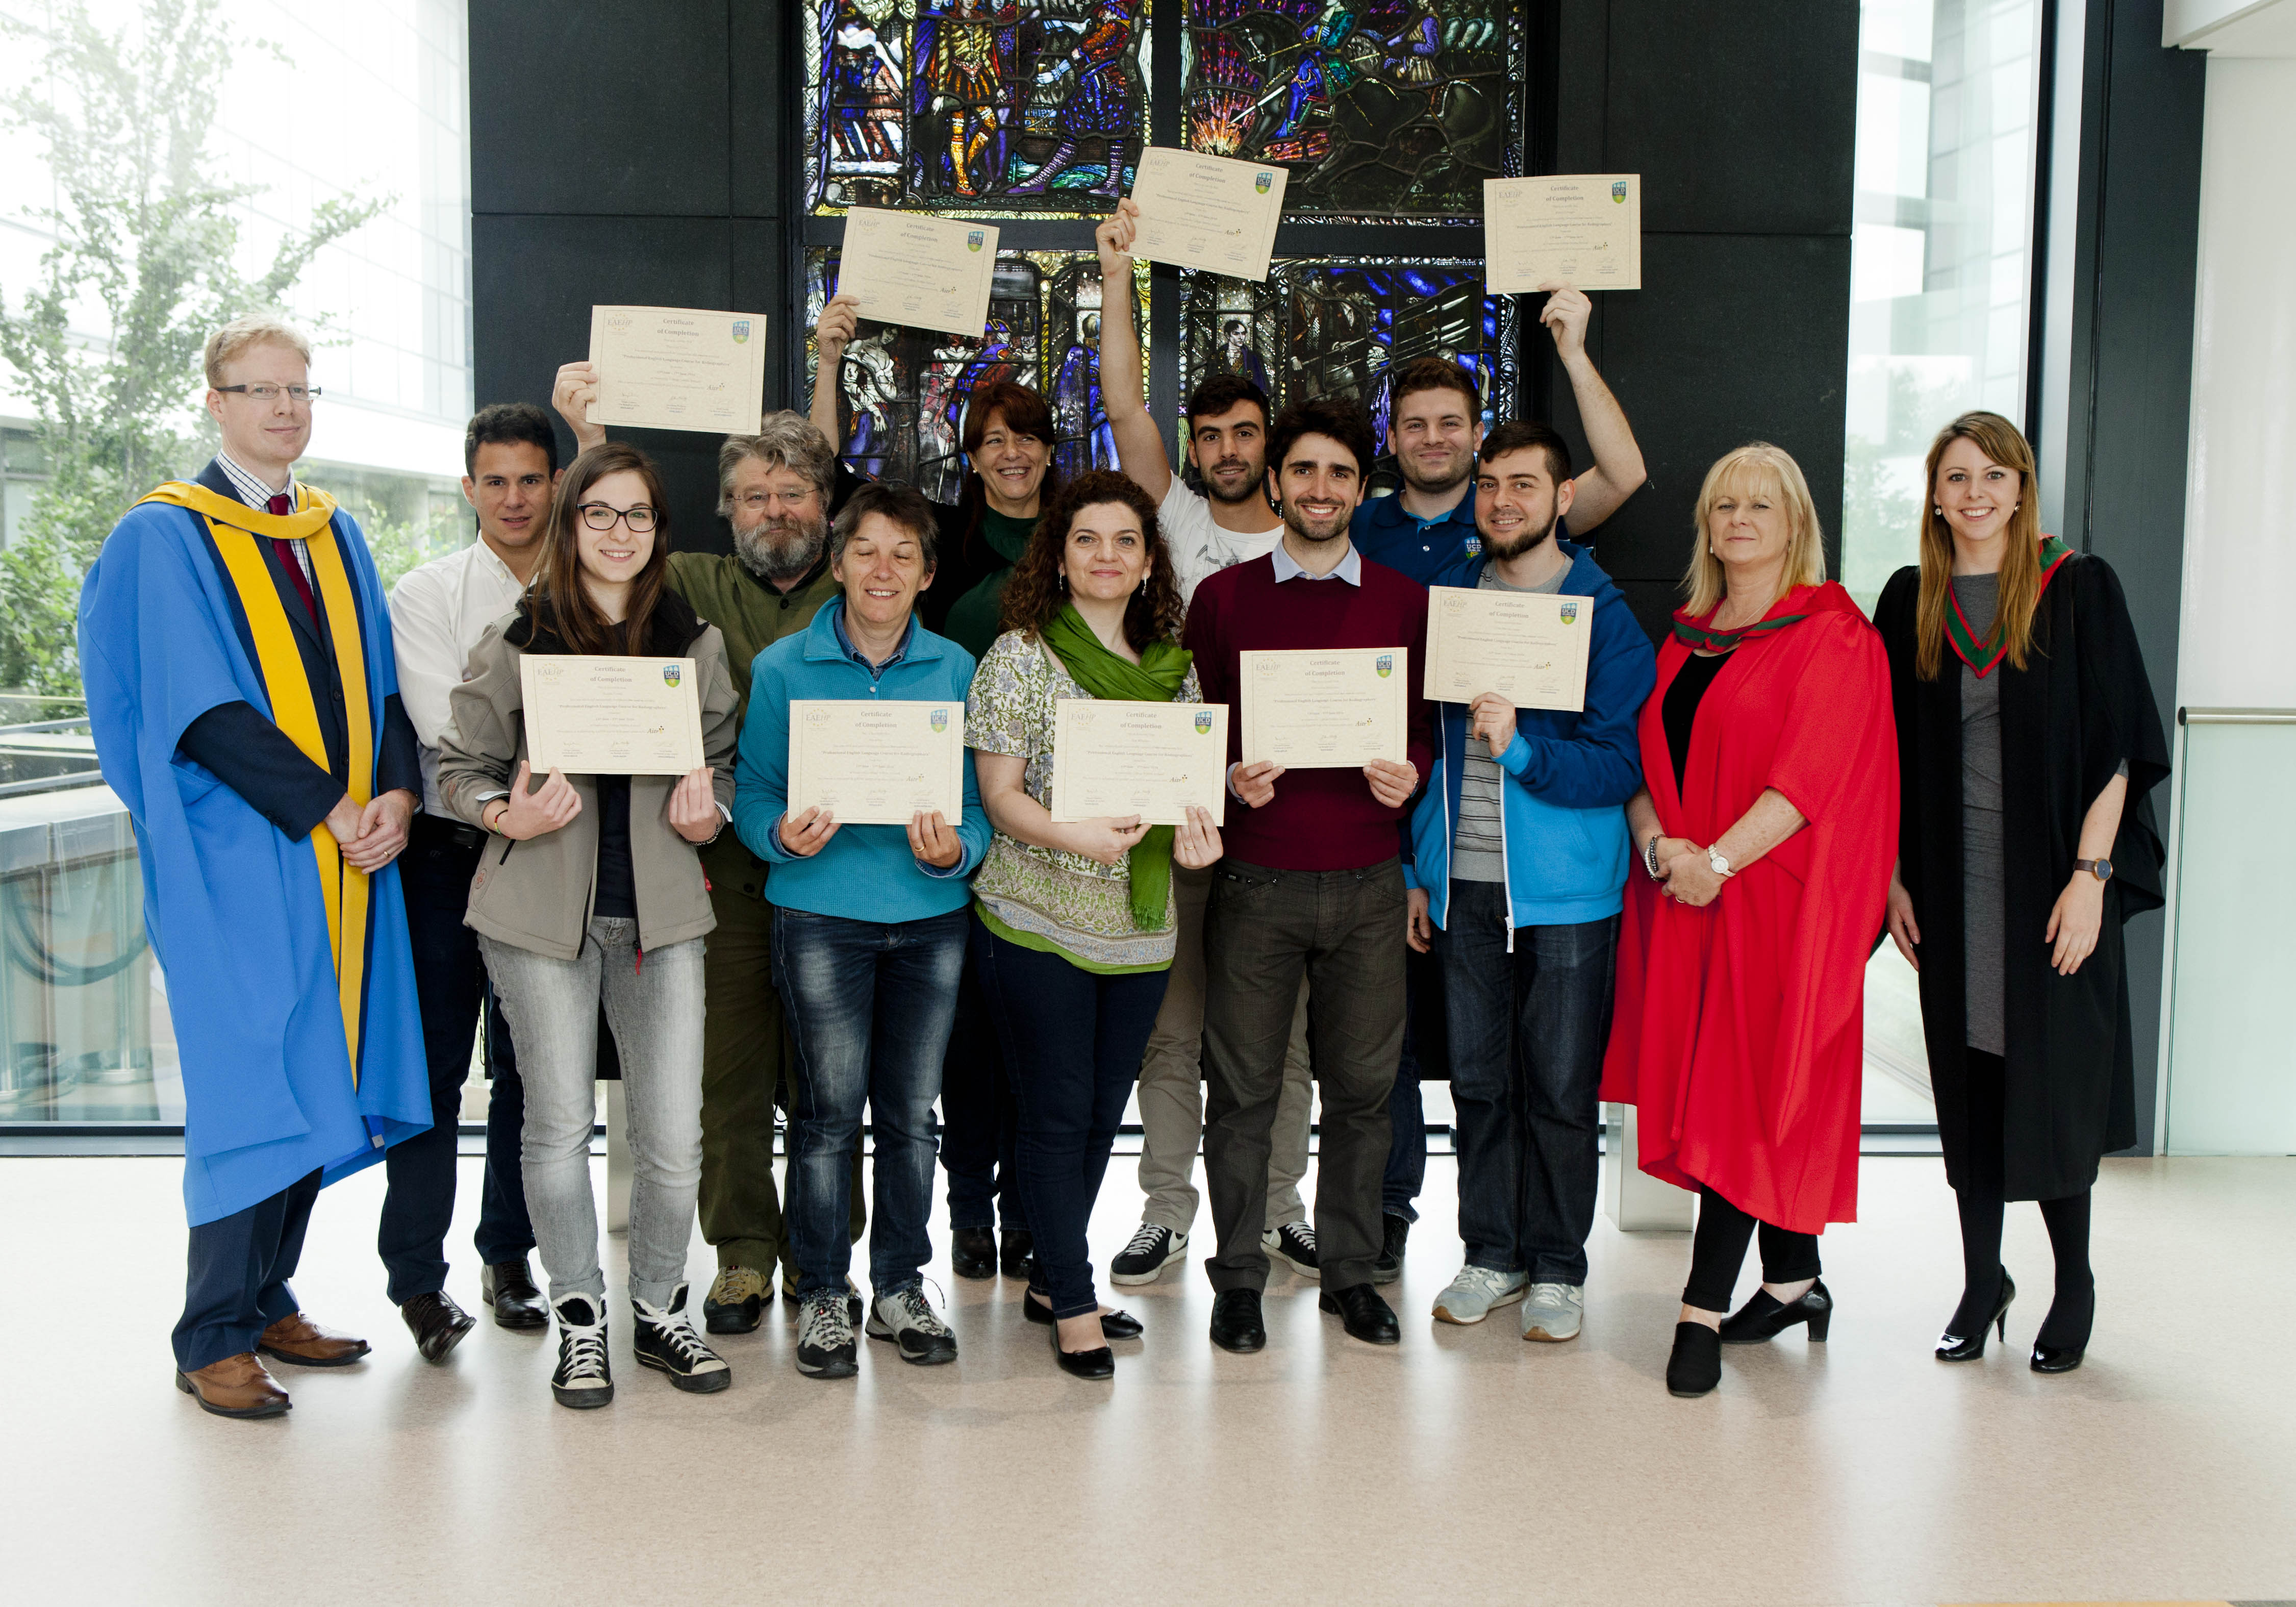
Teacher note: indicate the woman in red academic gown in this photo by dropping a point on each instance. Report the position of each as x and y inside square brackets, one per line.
[1768, 824]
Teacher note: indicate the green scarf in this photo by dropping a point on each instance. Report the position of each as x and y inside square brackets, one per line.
[1162, 667]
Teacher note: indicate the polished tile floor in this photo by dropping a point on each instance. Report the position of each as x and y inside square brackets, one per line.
[1465, 1465]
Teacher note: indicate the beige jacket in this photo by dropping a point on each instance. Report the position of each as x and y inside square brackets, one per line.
[536, 893]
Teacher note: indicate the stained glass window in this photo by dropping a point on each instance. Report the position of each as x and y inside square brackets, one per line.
[902, 392]
[988, 107]
[1379, 108]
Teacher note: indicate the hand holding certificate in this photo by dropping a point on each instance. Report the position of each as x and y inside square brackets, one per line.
[1207, 212]
[1326, 711]
[1584, 230]
[867, 763]
[1528, 647]
[673, 368]
[604, 715]
[928, 272]
[1149, 760]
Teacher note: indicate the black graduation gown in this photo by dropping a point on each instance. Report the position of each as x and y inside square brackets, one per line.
[2080, 707]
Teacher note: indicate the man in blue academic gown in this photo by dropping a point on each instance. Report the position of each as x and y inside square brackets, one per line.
[240, 688]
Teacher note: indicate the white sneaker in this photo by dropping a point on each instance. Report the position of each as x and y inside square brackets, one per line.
[1553, 1311]
[1477, 1292]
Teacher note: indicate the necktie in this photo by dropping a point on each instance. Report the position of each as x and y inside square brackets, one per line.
[282, 504]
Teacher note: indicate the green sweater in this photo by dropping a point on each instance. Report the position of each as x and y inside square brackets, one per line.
[752, 616]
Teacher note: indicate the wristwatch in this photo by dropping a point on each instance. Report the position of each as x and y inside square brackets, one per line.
[1717, 862]
[1650, 858]
[2101, 869]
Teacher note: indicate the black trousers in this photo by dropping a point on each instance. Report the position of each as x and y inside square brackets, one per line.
[450, 985]
[979, 1123]
[1263, 930]
[236, 1282]
[1718, 1250]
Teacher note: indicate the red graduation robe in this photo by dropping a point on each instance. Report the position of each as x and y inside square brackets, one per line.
[1740, 1027]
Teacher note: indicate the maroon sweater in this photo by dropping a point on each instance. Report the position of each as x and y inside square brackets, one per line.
[1319, 820]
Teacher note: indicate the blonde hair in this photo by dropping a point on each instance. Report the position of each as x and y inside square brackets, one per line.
[1759, 467]
[234, 338]
[2020, 595]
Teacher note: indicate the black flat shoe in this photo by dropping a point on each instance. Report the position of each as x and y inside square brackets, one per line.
[972, 1253]
[1766, 1316]
[1099, 1364]
[1953, 1346]
[1017, 1255]
[1115, 1325]
[1362, 1314]
[1236, 1324]
[1695, 1367]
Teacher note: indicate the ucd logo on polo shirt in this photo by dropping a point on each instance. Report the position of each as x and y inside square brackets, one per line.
[1473, 545]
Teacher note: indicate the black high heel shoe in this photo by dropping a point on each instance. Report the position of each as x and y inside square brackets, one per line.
[1115, 1325]
[2063, 1358]
[1766, 1316]
[1100, 1364]
[1953, 1346]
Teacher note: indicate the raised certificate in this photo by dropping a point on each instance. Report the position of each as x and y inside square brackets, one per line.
[1207, 212]
[928, 272]
[1116, 758]
[1325, 710]
[674, 368]
[1584, 230]
[872, 764]
[1528, 647]
[601, 714]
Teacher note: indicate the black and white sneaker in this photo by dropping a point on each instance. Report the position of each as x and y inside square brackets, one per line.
[908, 1320]
[582, 1378]
[1395, 1235]
[825, 1336]
[1152, 1248]
[1294, 1242]
[664, 1340]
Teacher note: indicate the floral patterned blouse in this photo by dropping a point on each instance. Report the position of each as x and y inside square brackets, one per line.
[1044, 897]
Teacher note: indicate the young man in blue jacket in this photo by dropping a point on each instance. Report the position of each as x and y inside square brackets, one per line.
[1519, 856]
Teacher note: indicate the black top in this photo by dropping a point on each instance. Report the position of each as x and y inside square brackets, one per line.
[1679, 712]
[617, 887]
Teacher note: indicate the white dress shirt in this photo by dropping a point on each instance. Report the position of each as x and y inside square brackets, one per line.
[438, 613]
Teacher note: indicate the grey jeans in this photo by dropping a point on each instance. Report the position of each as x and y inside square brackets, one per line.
[654, 1004]
[1172, 1085]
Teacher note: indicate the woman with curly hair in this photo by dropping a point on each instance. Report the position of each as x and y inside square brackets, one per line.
[1073, 921]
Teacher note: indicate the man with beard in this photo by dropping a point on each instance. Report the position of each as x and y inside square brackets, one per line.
[1225, 523]
[1518, 863]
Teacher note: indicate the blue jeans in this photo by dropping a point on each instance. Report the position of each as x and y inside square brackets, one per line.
[870, 1004]
[1072, 1041]
[1528, 1030]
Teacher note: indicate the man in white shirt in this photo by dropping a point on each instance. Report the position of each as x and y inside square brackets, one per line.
[1226, 524]
[438, 613]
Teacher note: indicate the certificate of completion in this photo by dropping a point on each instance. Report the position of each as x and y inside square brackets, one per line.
[673, 368]
[1528, 647]
[1317, 710]
[928, 272]
[1584, 230]
[599, 714]
[872, 764]
[1115, 757]
[1207, 212]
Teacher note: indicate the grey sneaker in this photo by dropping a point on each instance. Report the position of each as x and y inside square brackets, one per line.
[825, 1336]
[1552, 1311]
[908, 1320]
[1477, 1292]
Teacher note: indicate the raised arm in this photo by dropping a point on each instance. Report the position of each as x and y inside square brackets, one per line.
[830, 337]
[1618, 472]
[572, 393]
[1139, 445]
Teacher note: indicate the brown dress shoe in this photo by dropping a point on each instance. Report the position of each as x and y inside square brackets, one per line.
[301, 1342]
[238, 1386]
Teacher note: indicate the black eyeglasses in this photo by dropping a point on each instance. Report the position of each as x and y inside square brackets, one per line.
[598, 516]
[297, 394]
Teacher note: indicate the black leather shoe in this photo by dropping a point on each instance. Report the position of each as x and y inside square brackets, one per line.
[437, 1324]
[1115, 1325]
[972, 1253]
[509, 1288]
[1953, 1346]
[2063, 1339]
[1395, 1236]
[1236, 1322]
[1084, 1364]
[1018, 1253]
[1766, 1316]
[1362, 1314]
[1695, 1367]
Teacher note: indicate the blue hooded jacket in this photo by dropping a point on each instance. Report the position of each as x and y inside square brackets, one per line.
[1568, 774]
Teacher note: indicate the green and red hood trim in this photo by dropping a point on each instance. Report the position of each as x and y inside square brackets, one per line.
[1983, 657]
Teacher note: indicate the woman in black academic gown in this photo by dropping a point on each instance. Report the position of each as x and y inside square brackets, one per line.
[2027, 741]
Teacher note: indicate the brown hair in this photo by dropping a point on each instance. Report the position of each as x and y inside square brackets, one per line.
[1024, 413]
[2021, 562]
[1034, 595]
[1518, 435]
[558, 598]
[1759, 466]
[1433, 374]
